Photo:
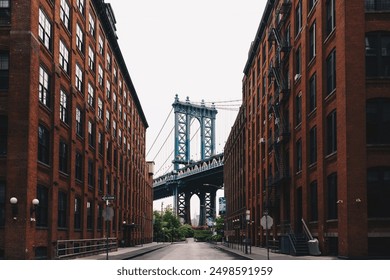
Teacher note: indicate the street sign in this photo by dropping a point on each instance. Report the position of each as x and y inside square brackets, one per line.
[108, 197]
[108, 214]
[266, 222]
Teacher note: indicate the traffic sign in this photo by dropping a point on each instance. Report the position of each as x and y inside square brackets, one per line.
[266, 222]
[108, 197]
[108, 214]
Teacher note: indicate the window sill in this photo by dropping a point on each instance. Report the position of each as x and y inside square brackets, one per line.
[330, 96]
[331, 156]
[330, 36]
[312, 114]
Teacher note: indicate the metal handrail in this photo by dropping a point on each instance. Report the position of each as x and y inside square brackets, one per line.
[306, 230]
[67, 249]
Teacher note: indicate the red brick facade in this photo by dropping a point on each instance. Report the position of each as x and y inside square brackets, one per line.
[74, 130]
[319, 159]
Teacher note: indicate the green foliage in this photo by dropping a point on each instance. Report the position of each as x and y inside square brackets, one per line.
[202, 235]
[167, 227]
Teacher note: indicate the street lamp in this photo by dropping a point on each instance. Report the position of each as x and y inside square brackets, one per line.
[247, 218]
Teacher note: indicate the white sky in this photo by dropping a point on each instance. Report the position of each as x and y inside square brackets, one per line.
[195, 48]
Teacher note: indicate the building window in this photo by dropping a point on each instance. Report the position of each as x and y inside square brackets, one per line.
[64, 114]
[108, 120]
[91, 58]
[44, 87]
[100, 180]
[313, 201]
[5, 12]
[298, 18]
[115, 102]
[63, 157]
[378, 121]
[91, 96]
[331, 133]
[65, 13]
[114, 133]
[108, 58]
[77, 213]
[80, 6]
[2, 203]
[62, 209]
[313, 145]
[101, 45]
[377, 5]
[330, 16]
[378, 192]
[3, 135]
[79, 38]
[312, 41]
[44, 30]
[91, 25]
[79, 78]
[100, 75]
[4, 70]
[332, 196]
[100, 109]
[43, 144]
[378, 54]
[298, 104]
[108, 89]
[100, 143]
[79, 122]
[42, 211]
[89, 215]
[331, 72]
[64, 57]
[298, 63]
[79, 166]
[91, 176]
[91, 133]
[299, 155]
[312, 93]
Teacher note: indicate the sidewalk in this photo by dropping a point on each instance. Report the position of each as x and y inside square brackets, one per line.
[259, 253]
[127, 252]
[254, 253]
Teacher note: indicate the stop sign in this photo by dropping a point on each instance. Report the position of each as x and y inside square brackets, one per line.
[266, 222]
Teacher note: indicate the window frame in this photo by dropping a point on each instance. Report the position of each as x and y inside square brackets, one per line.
[45, 29]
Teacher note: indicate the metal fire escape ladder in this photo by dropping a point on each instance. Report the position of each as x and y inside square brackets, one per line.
[276, 72]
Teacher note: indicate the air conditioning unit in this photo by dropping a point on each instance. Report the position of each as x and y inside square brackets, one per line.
[297, 77]
[262, 140]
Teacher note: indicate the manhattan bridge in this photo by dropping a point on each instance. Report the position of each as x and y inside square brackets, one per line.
[183, 173]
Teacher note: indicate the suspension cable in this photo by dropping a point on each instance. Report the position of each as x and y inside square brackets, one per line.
[154, 142]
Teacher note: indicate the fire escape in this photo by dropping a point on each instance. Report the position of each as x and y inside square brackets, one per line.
[278, 72]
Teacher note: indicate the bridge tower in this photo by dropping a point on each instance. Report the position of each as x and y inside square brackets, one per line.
[184, 113]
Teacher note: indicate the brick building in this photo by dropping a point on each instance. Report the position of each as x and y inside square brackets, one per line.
[317, 130]
[72, 129]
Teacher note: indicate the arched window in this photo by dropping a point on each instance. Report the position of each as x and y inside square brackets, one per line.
[378, 192]
[378, 121]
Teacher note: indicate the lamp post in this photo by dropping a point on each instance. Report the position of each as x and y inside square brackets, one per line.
[247, 218]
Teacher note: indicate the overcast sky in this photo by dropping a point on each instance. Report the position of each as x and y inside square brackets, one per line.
[194, 48]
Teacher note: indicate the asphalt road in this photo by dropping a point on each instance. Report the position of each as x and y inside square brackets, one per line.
[188, 251]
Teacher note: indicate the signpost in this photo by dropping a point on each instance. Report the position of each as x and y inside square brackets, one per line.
[267, 222]
[108, 214]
